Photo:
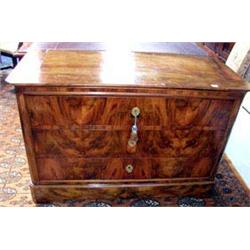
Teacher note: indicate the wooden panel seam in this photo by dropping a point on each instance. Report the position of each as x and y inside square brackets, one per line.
[27, 134]
[131, 95]
[233, 116]
[129, 181]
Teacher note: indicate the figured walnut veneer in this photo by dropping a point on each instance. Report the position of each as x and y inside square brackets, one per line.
[75, 109]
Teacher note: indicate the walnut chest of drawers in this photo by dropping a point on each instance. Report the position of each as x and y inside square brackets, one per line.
[103, 125]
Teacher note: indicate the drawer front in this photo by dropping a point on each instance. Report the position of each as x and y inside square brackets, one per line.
[84, 137]
[50, 111]
[182, 113]
[121, 169]
[95, 143]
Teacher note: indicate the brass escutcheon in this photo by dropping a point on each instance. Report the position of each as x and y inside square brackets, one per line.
[132, 143]
[129, 168]
[135, 111]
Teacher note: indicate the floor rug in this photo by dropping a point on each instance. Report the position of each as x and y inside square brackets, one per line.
[15, 180]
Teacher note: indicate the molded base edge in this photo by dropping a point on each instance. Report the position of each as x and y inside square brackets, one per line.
[62, 193]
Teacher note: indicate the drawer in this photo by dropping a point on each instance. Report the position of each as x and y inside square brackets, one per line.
[182, 113]
[121, 169]
[95, 143]
[64, 111]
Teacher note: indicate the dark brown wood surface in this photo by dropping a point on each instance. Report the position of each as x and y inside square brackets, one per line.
[221, 50]
[92, 143]
[113, 170]
[115, 112]
[127, 69]
[163, 47]
[81, 135]
[77, 126]
[61, 193]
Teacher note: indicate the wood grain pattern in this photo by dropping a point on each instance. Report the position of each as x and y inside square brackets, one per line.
[78, 68]
[64, 169]
[128, 91]
[91, 143]
[75, 109]
[27, 134]
[182, 113]
[165, 47]
[62, 193]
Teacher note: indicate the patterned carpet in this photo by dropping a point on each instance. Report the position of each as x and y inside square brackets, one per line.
[15, 180]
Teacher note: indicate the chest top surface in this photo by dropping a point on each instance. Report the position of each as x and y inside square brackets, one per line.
[124, 69]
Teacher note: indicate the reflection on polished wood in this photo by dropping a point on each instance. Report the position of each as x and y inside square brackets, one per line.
[75, 109]
[163, 47]
[131, 69]
[115, 112]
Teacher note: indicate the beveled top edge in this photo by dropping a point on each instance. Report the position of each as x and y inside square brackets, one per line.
[47, 71]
